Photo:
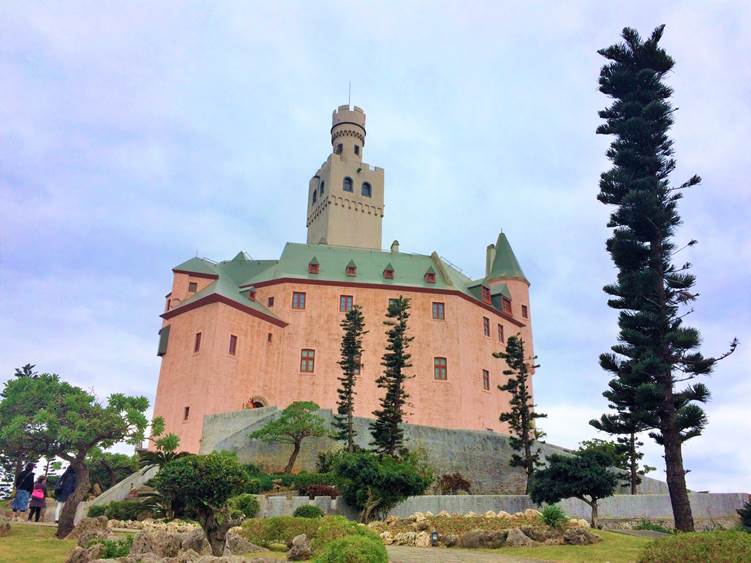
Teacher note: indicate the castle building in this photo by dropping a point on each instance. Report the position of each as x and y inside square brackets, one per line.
[245, 333]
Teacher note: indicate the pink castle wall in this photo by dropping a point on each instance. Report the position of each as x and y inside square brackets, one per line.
[213, 381]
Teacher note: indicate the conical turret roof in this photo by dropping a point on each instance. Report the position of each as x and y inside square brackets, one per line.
[505, 264]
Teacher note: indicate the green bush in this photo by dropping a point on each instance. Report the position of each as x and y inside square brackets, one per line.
[337, 527]
[246, 504]
[699, 547]
[308, 511]
[96, 510]
[114, 548]
[745, 514]
[124, 510]
[653, 526]
[303, 480]
[278, 529]
[554, 516]
[353, 549]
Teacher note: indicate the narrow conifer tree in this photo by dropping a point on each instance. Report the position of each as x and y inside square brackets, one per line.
[522, 414]
[650, 288]
[353, 325]
[388, 435]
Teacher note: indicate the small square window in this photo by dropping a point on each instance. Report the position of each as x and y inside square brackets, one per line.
[388, 274]
[486, 326]
[192, 287]
[197, 343]
[186, 413]
[232, 344]
[440, 370]
[351, 270]
[298, 300]
[525, 312]
[270, 302]
[345, 303]
[429, 277]
[313, 268]
[307, 361]
[486, 380]
[439, 311]
[500, 333]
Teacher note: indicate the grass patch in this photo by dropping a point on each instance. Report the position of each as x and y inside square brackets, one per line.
[28, 543]
[697, 547]
[614, 547]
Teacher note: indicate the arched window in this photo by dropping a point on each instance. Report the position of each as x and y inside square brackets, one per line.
[323, 184]
[347, 184]
[367, 191]
[315, 196]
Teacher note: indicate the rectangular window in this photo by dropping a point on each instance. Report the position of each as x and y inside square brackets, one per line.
[192, 287]
[388, 274]
[313, 268]
[186, 413]
[439, 311]
[440, 370]
[270, 302]
[525, 312]
[486, 326]
[345, 303]
[232, 344]
[486, 380]
[357, 149]
[298, 300]
[500, 333]
[485, 294]
[163, 340]
[197, 343]
[339, 148]
[269, 337]
[307, 361]
[506, 306]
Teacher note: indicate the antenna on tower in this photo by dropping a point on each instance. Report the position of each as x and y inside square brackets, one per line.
[349, 92]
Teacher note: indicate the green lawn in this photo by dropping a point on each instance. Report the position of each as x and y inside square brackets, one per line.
[615, 548]
[29, 543]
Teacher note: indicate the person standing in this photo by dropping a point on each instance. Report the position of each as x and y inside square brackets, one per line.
[38, 498]
[65, 487]
[24, 488]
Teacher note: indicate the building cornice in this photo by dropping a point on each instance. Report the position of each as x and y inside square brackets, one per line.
[216, 298]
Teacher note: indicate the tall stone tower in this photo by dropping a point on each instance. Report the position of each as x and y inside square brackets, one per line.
[345, 196]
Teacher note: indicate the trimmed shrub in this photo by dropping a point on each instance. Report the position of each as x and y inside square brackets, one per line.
[96, 510]
[313, 491]
[308, 511]
[554, 516]
[337, 527]
[699, 547]
[246, 504]
[114, 548]
[452, 483]
[353, 549]
[278, 529]
[124, 510]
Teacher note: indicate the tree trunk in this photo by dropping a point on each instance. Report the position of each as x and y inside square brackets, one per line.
[67, 518]
[293, 457]
[676, 477]
[633, 469]
[216, 533]
[594, 518]
[350, 438]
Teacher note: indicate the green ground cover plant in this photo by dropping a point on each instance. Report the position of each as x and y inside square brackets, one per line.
[653, 526]
[614, 547]
[554, 516]
[246, 504]
[308, 511]
[353, 549]
[699, 547]
[115, 548]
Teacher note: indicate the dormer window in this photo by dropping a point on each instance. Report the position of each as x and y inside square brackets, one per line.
[485, 294]
[351, 269]
[313, 266]
[192, 287]
[430, 275]
[367, 191]
[347, 184]
[506, 305]
[388, 272]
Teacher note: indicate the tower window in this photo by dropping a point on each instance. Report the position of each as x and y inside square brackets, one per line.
[339, 148]
[525, 312]
[506, 304]
[486, 380]
[192, 287]
[232, 344]
[197, 343]
[440, 369]
[270, 302]
[321, 187]
[486, 326]
[485, 294]
[186, 413]
[357, 149]
[298, 300]
[500, 333]
[367, 191]
[307, 361]
[439, 311]
[315, 195]
[269, 337]
[347, 184]
[345, 303]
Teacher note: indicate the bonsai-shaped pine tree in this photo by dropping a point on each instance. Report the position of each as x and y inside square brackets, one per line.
[521, 417]
[204, 484]
[388, 435]
[298, 421]
[351, 353]
[586, 475]
[650, 289]
[622, 458]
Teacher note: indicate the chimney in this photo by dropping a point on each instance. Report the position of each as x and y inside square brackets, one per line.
[395, 247]
[489, 258]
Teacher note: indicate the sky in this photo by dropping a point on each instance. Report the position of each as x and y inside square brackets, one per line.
[136, 135]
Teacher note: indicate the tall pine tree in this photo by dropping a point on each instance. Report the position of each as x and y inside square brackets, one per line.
[522, 414]
[388, 435]
[353, 325]
[650, 288]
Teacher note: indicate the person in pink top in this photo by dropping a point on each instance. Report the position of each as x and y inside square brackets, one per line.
[38, 498]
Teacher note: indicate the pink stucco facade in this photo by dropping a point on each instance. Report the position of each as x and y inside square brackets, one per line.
[265, 367]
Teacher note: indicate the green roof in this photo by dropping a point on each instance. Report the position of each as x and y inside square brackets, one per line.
[198, 266]
[505, 264]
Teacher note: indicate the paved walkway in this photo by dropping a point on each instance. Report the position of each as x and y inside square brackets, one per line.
[404, 554]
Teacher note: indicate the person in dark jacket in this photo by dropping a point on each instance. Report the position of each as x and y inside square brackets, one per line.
[24, 487]
[38, 498]
[65, 487]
